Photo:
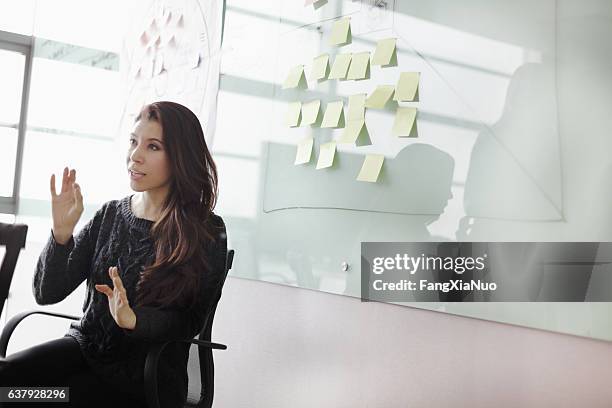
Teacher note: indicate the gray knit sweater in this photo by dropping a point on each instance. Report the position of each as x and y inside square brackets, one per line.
[116, 237]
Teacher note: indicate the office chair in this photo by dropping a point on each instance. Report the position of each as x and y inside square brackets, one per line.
[205, 346]
[13, 237]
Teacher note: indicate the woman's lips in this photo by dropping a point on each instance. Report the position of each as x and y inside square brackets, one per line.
[135, 176]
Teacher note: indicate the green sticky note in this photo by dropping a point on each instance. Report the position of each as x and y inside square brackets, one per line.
[407, 88]
[320, 67]
[379, 98]
[356, 107]
[341, 32]
[296, 78]
[340, 66]
[360, 66]
[310, 112]
[327, 152]
[334, 115]
[385, 53]
[404, 124]
[304, 151]
[294, 113]
[371, 168]
[356, 132]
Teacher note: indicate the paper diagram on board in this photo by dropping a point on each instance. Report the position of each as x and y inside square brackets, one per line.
[172, 53]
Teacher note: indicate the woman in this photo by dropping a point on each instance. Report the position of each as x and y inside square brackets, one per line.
[152, 261]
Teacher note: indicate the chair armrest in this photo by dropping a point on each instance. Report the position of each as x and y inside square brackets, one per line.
[150, 369]
[11, 325]
[207, 344]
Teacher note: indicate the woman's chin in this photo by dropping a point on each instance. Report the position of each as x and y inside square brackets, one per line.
[136, 186]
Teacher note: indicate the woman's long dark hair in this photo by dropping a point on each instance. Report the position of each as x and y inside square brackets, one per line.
[184, 227]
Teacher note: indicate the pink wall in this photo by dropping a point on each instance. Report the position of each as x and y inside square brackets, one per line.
[292, 347]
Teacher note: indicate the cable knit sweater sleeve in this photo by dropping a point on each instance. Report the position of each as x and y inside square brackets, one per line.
[175, 324]
[61, 268]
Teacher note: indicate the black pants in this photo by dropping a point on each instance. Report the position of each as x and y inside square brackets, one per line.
[59, 363]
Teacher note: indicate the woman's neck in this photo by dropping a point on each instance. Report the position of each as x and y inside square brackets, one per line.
[146, 205]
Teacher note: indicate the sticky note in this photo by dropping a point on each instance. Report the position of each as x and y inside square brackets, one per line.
[404, 124]
[195, 59]
[334, 115]
[327, 152]
[385, 53]
[310, 112]
[356, 107]
[294, 113]
[304, 151]
[407, 88]
[319, 3]
[341, 32]
[371, 168]
[144, 38]
[379, 98]
[356, 132]
[315, 3]
[360, 66]
[320, 67]
[296, 78]
[340, 66]
[158, 65]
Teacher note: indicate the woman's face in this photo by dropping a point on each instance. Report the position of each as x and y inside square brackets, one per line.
[147, 155]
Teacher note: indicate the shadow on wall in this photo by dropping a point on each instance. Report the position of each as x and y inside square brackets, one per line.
[306, 241]
[515, 164]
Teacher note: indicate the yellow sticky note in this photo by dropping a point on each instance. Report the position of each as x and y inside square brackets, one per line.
[294, 114]
[295, 78]
[356, 107]
[304, 151]
[334, 115]
[407, 88]
[310, 112]
[404, 124]
[320, 67]
[360, 66]
[327, 152]
[356, 132]
[379, 98]
[340, 66]
[385, 53]
[341, 32]
[371, 168]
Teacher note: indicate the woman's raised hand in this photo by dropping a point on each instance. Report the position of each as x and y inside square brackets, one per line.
[117, 301]
[67, 206]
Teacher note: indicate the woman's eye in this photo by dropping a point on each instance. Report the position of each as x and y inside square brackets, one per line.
[155, 146]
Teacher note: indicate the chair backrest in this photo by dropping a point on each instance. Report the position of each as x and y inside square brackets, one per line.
[13, 237]
[207, 365]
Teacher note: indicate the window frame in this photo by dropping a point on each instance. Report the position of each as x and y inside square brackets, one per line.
[24, 45]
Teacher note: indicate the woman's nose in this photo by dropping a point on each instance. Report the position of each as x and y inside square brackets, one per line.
[135, 154]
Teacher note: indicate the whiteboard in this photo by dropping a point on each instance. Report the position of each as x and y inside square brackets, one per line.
[488, 144]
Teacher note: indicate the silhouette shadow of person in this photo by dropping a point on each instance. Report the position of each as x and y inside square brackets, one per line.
[514, 182]
[317, 242]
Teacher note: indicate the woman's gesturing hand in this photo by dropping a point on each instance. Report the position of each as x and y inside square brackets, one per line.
[118, 302]
[67, 206]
